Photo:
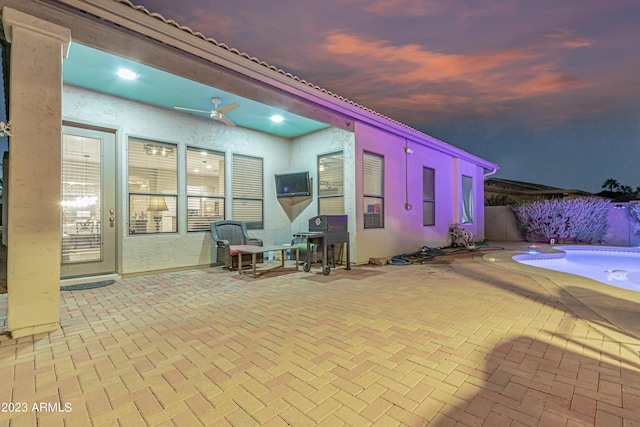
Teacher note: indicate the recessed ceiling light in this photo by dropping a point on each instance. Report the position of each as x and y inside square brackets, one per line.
[277, 118]
[127, 74]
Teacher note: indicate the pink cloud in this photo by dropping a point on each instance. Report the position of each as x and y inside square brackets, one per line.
[566, 39]
[477, 81]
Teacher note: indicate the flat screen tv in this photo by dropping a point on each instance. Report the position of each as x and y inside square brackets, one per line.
[294, 184]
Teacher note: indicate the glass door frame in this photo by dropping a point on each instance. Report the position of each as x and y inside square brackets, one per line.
[105, 225]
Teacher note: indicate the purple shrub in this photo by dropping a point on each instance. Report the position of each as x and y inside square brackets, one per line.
[634, 213]
[582, 220]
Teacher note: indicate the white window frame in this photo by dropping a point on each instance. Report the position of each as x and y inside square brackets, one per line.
[323, 185]
[142, 220]
[372, 190]
[466, 192]
[428, 198]
[211, 200]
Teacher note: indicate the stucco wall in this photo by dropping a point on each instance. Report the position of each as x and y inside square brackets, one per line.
[155, 252]
[304, 156]
[403, 231]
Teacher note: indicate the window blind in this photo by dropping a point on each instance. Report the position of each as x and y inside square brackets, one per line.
[205, 188]
[373, 174]
[153, 187]
[81, 199]
[373, 190]
[331, 184]
[248, 190]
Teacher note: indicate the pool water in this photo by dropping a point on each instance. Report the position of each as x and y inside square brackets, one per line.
[614, 266]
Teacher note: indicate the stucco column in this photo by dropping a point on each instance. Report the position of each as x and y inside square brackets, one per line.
[35, 108]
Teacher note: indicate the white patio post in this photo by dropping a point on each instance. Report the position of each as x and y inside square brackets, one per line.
[33, 266]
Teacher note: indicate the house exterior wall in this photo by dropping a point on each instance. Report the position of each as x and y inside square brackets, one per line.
[282, 217]
[162, 251]
[403, 231]
[472, 170]
[305, 151]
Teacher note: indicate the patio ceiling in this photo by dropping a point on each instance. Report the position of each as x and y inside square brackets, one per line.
[96, 70]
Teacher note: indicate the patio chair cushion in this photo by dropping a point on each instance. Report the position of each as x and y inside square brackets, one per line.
[233, 249]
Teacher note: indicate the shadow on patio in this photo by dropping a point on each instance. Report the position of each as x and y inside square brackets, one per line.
[454, 340]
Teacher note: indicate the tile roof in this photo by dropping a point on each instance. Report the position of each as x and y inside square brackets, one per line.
[274, 68]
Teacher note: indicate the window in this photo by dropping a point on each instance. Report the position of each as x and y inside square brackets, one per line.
[205, 188]
[373, 190]
[331, 184]
[248, 193]
[467, 199]
[153, 187]
[81, 199]
[428, 196]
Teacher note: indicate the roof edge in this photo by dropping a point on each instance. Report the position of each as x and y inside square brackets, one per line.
[169, 32]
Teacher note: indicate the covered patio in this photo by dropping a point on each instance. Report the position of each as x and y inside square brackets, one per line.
[466, 339]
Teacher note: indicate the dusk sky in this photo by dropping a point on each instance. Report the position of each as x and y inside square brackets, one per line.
[548, 90]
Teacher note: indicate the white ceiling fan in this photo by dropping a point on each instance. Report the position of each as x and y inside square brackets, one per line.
[218, 113]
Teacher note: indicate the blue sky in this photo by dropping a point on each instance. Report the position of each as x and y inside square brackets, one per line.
[548, 90]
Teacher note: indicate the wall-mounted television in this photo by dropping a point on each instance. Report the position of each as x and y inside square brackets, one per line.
[295, 184]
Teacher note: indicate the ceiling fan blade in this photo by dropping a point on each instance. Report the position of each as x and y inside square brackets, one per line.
[191, 109]
[226, 121]
[227, 108]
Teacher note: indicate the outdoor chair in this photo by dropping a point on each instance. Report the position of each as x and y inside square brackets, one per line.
[229, 236]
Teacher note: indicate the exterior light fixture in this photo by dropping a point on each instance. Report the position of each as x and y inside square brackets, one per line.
[276, 118]
[127, 74]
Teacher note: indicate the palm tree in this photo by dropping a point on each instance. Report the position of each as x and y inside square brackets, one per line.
[611, 184]
[626, 189]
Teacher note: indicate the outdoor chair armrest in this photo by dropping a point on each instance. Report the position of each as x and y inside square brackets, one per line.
[222, 243]
[254, 241]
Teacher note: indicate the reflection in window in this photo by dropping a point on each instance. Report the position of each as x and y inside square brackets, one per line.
[428, 196]
[331, 184]
[81, 199]
[153, 187]
[205, 188]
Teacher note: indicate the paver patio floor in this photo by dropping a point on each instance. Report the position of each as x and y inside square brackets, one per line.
[454, 341]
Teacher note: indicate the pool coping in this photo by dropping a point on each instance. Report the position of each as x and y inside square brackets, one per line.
[618, 307]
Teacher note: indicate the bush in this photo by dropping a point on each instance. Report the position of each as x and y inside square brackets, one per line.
[634, 213]
[499, 200]
[581, 219]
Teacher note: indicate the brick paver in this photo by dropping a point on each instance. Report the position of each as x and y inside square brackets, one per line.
[456, 341]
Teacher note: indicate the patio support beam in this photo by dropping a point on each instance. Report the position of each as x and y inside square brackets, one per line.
[33, 263]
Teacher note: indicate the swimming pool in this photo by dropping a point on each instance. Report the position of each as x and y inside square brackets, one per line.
[614, 266]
